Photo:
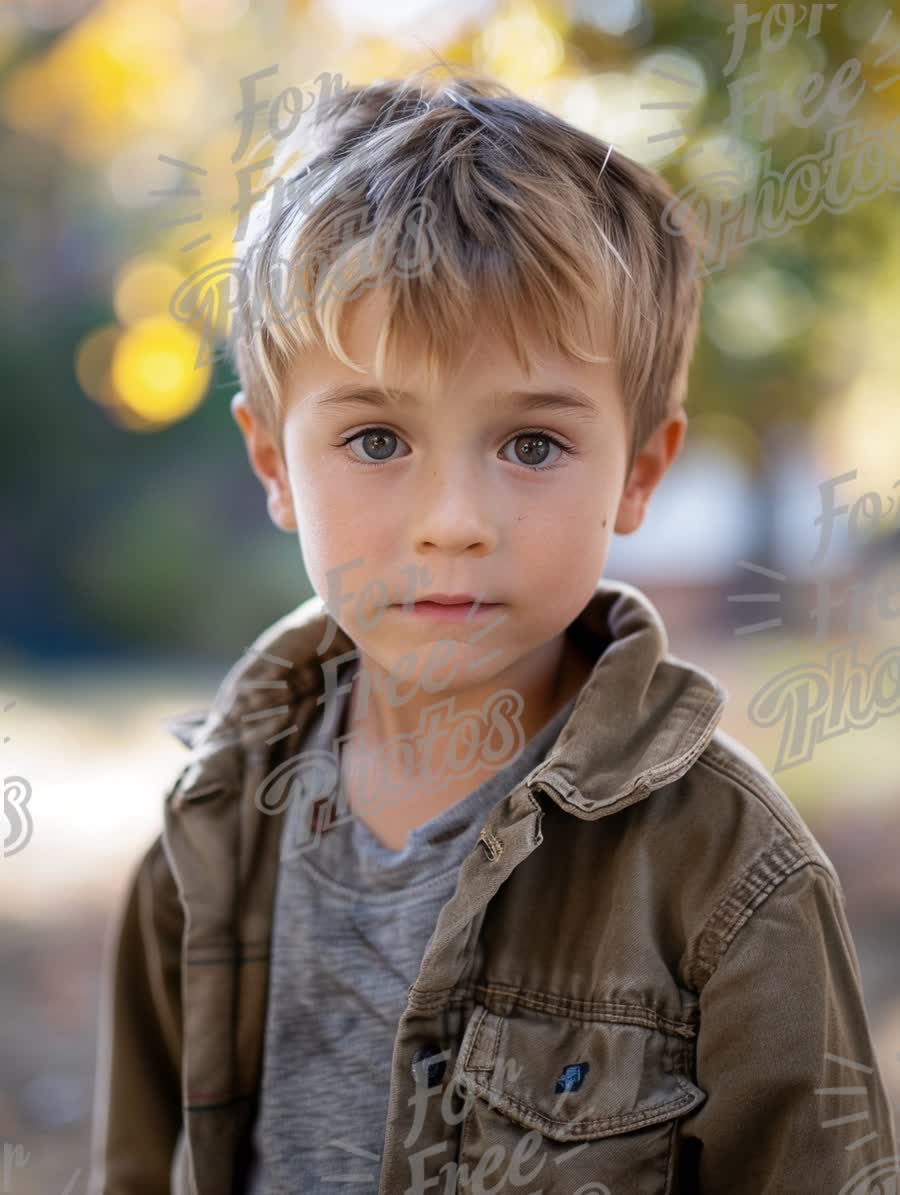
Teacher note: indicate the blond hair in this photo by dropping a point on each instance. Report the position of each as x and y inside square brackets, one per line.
[522, 222]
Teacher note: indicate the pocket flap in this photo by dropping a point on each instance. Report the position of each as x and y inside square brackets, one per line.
[575, 1079]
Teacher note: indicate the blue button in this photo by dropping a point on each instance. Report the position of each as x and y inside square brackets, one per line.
[434, 1071]
[572, 1076]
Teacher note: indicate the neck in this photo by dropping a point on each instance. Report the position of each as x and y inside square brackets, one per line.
[545, 680]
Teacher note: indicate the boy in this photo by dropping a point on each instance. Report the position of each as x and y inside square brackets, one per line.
[461, 889]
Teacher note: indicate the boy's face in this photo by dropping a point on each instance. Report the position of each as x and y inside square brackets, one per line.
[454, 494]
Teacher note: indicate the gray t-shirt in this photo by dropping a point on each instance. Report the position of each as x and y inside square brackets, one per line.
[351, 922]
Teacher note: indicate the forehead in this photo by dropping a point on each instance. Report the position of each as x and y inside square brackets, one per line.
[483, 366]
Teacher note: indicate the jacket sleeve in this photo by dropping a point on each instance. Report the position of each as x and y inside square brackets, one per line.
[795, 1101]
[137, 1096]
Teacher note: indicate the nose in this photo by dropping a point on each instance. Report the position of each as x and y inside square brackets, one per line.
[453, 511]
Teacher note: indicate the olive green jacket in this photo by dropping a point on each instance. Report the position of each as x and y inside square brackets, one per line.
[644, 982]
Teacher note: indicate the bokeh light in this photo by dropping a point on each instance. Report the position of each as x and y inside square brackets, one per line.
[154, 370]
[93, 359]
[144, 287]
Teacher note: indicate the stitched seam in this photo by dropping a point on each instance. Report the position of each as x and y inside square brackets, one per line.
[729, 915]
[498, 1032]
[583, 1010]
[474, 1038]
[628, 1120]
[493, 843]
[687, 758]
[669, 1171]
[727, 935]
[506, 1104]
[671, 766]
[737, 771]
[656, 776]
[463, 1137]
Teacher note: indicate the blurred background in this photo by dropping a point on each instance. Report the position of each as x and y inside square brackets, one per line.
[138, 560]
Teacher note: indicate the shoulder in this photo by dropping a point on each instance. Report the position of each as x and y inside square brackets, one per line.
[735, 778]
[750, 844]
[283, 661]
[265, 699]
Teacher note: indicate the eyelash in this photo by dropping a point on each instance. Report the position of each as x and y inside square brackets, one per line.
[566, 449]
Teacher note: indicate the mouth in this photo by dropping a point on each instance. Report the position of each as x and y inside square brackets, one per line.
[451, 599]
[450, 607]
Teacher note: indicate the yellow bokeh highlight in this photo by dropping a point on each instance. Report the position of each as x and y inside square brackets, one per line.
[522, 45]
[372, 57]
[93, 358]
[859, 428]
[144, 287]
[154, 370]
[122, 65]
[211, 17]
[217, 244]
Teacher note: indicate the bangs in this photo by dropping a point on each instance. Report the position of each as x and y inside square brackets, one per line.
[468, 208]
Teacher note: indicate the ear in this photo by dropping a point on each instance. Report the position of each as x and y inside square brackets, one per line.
[266, 461]
[650, 466]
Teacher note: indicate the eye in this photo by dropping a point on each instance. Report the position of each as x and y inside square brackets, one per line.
[536, 449]
[377, 441]
[377, 446]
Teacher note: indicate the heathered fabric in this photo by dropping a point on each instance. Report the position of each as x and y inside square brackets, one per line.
[352, 919]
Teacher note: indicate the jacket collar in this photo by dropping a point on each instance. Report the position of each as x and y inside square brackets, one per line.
[639, 722]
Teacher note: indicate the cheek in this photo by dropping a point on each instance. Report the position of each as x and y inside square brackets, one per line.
[565, 538]
[321, 495]
[339, 534]
[562, 520]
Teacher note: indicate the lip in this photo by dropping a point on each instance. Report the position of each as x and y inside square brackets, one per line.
[452, 611]
[447, 607]
[451, 599]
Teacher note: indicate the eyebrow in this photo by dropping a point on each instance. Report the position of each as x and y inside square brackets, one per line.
[561, 400]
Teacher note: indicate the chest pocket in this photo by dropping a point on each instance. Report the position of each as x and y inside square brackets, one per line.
[570, 1107]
